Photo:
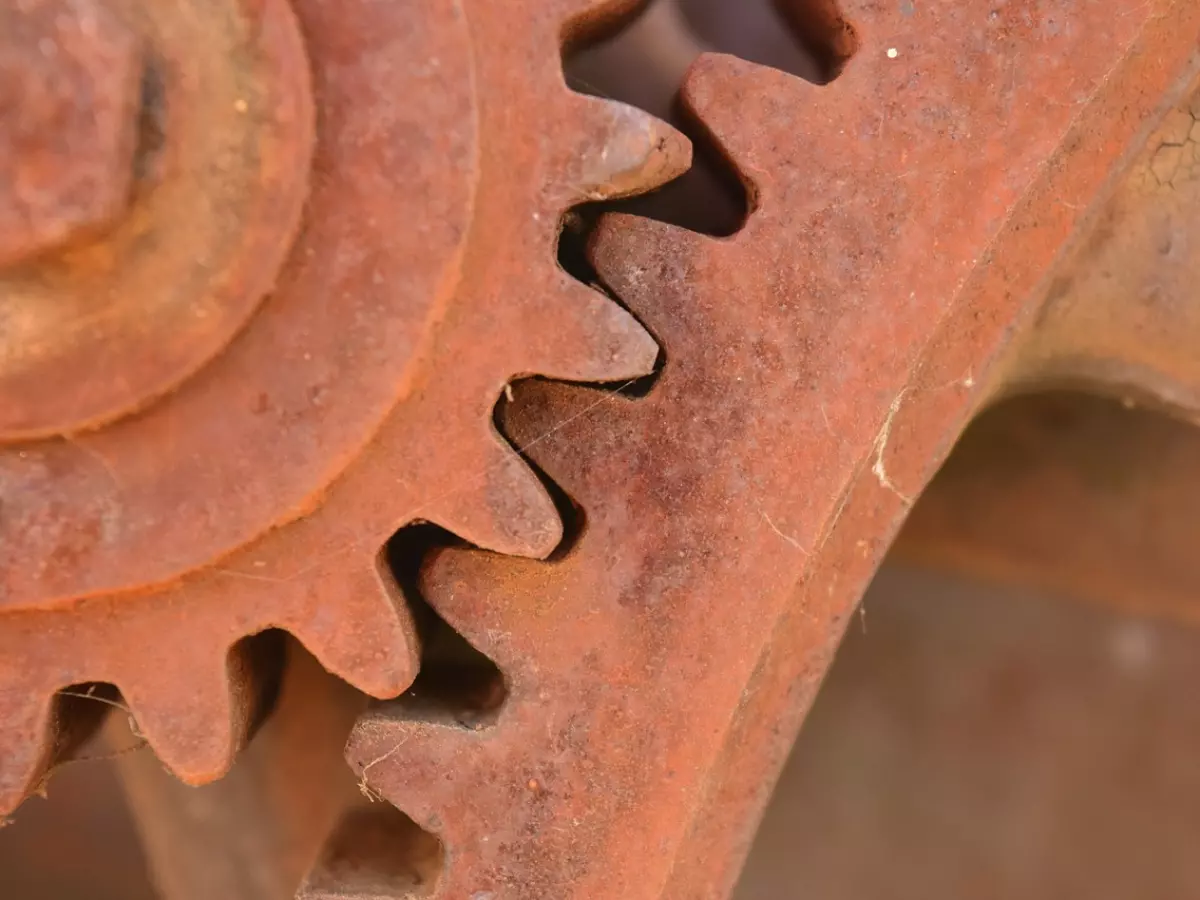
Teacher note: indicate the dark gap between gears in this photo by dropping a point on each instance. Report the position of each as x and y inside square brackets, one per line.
[82, 709]
[810, 39]
[377, 845]
[151, 125]
[455, 678]
[574, 519]
[265, 654]
[644, 63]
[578, 227]
[639, 387]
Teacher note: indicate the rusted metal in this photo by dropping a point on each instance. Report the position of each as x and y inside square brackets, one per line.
[819, 365]
[194, 142]
[389, 267]
[1119, 312]
[260, 492]
[70, 82]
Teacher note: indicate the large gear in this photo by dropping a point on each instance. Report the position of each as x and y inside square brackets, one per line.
[386, 184]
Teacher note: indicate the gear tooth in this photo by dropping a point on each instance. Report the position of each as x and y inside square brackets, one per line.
[371, 643]
[27, 744]
[41, 729]
[470, 593]
[573, 10]
[584, 336]
[548, 421]
[500, 505]
[722, 93]
[197, 741]
[419, 763]
[636, 256]
[621, 151]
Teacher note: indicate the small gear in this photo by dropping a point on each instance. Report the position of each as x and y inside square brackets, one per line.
[339, 248]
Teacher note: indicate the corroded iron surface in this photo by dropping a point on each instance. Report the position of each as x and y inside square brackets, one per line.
[1088, 498]
[70, 122]
[1119, 313]
[195, 145]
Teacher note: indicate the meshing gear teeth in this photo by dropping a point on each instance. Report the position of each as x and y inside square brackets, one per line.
[417, 279]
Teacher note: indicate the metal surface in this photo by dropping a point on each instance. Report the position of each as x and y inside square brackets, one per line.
[819, 365]
[261, 491]
[194, 142]
[81, 95]
[1119, 312]
[895, 272]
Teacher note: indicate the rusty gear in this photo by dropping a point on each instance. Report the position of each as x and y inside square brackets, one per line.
[218, 412]
[83, 94]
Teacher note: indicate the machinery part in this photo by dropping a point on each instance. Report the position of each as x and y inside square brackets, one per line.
[260, 491]
[657, 668]
[1117, 312]
[819, 366]
[83, 95]
[221, 154]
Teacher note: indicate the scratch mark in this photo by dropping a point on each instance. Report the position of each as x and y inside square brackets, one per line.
[99, 458]
[825, 417]
[90, 694]
[366, 790]
[881, 443]
[775, 528]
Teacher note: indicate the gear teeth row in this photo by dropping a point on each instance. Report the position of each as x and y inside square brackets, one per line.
[195, 745]
[149, 645]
